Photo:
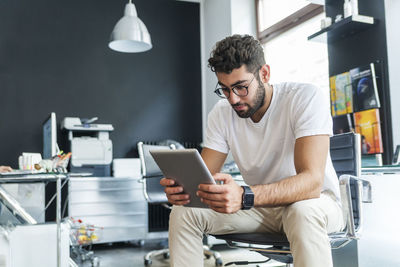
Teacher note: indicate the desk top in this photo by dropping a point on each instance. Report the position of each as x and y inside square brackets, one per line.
[30, 178]
[381, 169]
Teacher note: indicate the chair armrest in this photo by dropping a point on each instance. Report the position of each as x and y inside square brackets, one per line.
[354, 190]
[367, 191]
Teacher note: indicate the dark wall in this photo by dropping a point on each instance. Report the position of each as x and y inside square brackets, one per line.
[54, 57]
[360, 49]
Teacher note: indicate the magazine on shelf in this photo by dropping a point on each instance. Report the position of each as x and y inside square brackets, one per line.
[343, 124]
[365, 90]
[341, 94]
[367, 124]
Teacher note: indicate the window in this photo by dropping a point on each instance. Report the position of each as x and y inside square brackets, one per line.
[277, 10]
[291, 56]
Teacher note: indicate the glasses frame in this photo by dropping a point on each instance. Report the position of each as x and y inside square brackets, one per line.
[233, 89]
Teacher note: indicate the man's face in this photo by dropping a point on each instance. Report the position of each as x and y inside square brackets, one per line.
[244, 106]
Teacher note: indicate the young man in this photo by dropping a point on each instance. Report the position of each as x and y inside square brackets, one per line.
[279, 138]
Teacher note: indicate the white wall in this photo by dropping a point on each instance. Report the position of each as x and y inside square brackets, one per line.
[392, 10]
[221, 18]
[216, 22]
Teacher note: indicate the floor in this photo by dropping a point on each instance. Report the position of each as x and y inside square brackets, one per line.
[131, 255]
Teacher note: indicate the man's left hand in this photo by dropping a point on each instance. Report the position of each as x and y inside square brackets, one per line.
[224, 198]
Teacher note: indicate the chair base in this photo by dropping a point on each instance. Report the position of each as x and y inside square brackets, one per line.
[270, 245]
[154, 254]
[212, 253]
[208, 253]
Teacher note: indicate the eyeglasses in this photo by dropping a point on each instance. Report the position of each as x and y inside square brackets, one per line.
[239, 90]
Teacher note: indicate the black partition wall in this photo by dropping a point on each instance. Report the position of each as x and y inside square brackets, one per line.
[361, 47]
[54, 57]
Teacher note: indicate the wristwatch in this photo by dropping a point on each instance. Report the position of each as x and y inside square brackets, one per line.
[247, 198]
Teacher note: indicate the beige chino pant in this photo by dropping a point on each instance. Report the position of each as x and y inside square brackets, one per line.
[306, 224]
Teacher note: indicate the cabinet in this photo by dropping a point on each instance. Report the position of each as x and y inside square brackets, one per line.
[116, 204]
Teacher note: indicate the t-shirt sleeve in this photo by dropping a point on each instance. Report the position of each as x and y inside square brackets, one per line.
[216, 132]
[311, 113]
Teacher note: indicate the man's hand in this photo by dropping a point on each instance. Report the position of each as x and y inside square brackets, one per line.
[224, 198]
[174, 192]
[5, 169]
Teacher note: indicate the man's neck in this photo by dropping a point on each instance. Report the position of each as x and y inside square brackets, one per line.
[257, 116]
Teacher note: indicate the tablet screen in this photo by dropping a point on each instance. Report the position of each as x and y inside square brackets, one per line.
[187, 168]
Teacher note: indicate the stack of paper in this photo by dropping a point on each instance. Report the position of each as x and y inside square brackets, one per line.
[127, 167]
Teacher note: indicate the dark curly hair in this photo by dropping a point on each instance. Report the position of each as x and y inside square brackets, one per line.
[234, 51]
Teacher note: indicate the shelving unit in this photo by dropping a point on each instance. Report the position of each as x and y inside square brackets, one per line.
[342, 29]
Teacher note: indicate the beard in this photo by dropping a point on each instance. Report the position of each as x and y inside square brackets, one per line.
[256, 105]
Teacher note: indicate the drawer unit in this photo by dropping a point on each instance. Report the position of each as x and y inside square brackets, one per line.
[104, 208]
[129, 220]
[115, 204]
[126, 233]
[90, 183]
[106, 195]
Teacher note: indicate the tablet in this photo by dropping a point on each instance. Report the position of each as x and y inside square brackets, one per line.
[187, 168]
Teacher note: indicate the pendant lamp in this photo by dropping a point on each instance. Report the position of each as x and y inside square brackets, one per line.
[130, 35]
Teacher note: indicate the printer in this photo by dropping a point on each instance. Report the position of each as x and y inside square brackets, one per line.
[90, 145]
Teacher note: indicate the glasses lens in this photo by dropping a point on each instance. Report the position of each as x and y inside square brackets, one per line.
[240, 90]
[222, 93]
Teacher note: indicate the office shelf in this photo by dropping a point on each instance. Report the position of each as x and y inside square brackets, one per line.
[343, 29]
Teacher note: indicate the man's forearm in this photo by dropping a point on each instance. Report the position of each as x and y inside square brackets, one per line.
[289, 190]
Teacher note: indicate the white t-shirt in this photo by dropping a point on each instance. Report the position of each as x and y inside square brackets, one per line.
[264, 151]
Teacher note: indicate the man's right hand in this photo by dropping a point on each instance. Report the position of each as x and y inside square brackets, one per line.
[174, 192]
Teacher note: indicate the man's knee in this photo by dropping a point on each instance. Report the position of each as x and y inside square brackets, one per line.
[178, 213]
[302, 215]
[184, 215]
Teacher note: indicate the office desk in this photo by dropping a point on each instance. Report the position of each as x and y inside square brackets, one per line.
[35, 178]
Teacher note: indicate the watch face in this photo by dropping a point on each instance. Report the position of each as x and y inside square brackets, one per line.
[248, 198]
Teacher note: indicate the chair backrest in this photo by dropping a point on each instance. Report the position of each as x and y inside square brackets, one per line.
[153, 191]
[345, 153]
[149, 166]
[158, 215]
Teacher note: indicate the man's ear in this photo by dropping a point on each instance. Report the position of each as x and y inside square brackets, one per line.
[265, 73]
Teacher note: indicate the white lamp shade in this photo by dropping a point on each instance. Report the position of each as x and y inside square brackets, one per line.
[130, 35]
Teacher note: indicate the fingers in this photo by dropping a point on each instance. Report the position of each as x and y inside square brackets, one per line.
[213, 203]
[171, 190]
[167, 182]
[222, 207]
[225, 198]
[211, 196]
[178, 199]
[213, 188]
[223, 177]
[174, 192]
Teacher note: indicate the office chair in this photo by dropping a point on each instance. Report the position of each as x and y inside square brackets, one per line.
[154, 194]
[346, 158]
